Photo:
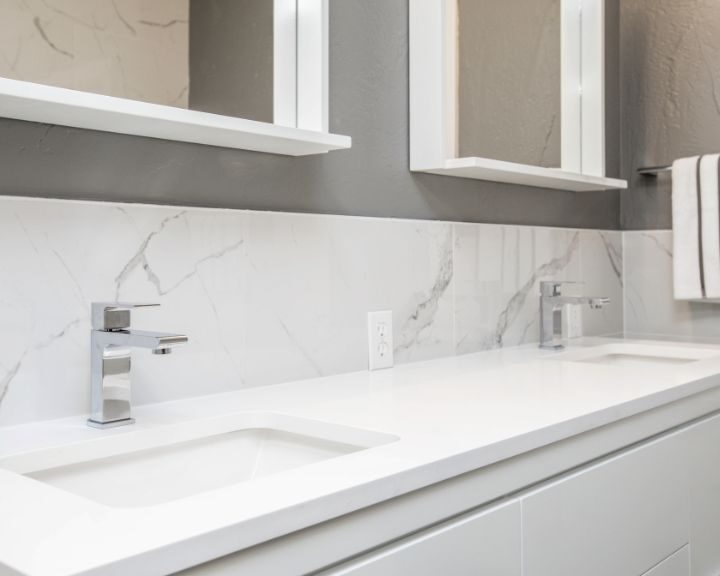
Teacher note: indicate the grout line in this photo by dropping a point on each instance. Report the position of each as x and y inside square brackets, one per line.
[624, 282]
[454, 289]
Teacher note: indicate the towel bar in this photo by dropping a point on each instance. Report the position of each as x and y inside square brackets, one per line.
[654, 170]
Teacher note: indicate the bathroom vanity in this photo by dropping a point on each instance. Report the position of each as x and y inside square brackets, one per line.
[601, 459]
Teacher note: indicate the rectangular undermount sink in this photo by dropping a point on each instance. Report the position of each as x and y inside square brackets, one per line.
[154, 466]
[640, 355]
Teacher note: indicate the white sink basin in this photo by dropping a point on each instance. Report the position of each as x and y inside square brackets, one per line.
[640, 355]
[153, 466]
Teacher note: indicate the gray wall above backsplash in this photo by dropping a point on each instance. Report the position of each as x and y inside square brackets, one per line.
[670, 97]
[369, 101]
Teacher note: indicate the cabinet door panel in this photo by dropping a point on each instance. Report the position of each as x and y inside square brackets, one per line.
[484, 543]
[703, 453]
[621, 516]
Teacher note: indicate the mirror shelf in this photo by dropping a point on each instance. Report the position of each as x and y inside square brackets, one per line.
[22, 100]
[525, 175]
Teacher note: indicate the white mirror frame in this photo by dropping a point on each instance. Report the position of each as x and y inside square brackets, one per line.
[433, 101]
[300, 101]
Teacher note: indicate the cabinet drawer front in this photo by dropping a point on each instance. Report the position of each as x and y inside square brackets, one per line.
[485, 543]
[620, 517]
[677, 565]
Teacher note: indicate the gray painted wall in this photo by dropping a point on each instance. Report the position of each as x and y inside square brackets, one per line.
[612, 88]
[670, 97]
[369, 101]
[231, 58]
[509, 80]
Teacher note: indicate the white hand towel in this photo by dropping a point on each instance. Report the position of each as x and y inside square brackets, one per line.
[688, 260]
[710, 224]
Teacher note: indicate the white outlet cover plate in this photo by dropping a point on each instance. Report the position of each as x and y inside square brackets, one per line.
[380, 340]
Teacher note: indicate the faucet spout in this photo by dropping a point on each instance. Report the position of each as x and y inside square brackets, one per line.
[140, 339]
[595, 302]
[599, 303]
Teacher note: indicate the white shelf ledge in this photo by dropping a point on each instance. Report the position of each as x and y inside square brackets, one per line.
[51, 105]
[512, 173]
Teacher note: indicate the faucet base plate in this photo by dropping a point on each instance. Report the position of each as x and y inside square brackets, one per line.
[555, 347]
[111, 424]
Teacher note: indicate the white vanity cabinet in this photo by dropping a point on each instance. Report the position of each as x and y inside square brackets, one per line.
[650, 509]
[622, 516]
[488, 542]
[626, 515]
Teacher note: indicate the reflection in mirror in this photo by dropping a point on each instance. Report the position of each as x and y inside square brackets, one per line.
[231, 58]
[509, 81]
[209, 55]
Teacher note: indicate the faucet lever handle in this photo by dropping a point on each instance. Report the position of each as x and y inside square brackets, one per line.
[552, 287]
[114, 315]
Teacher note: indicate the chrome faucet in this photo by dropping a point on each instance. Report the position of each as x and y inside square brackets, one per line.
[111, 340]
[551, 309]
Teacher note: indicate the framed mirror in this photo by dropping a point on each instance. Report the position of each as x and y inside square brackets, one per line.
[510, 91]
[240, 73]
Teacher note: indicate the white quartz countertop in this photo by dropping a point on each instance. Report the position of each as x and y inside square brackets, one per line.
[451, 416]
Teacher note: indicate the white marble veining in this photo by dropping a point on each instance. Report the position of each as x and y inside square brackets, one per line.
[601, 266]
[498, 271]
[265, 297]
[499, 268]
[650, 307]
[128, 48]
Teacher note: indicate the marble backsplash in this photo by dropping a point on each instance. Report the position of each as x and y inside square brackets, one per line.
[650, 309]
[267, 297]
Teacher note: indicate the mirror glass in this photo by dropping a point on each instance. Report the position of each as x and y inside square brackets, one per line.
[209, 55]
[509, 81]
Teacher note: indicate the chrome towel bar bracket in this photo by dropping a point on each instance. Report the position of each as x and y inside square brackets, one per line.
[654, 171]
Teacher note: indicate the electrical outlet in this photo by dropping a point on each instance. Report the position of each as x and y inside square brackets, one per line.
[572, 322]
[380, 340]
